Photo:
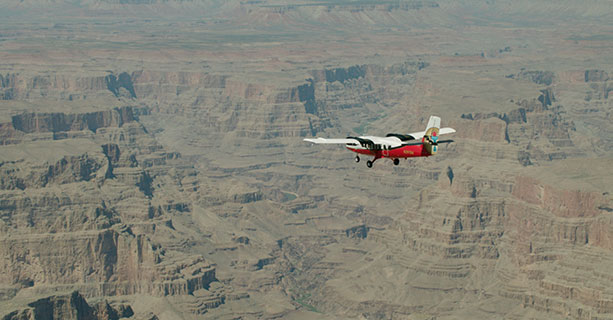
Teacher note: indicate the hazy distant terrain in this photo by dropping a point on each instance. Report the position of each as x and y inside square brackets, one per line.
[152, 163]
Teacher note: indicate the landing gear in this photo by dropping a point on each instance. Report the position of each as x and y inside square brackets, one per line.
[396, 161]
[369, 164]
[357, 158]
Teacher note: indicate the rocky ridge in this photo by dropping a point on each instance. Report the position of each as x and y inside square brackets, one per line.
[189, 194]
[98, 207]
[71, 306]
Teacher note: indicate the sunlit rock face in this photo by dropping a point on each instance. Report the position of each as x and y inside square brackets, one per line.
[152, 162]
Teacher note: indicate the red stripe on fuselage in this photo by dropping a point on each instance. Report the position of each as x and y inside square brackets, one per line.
[402, 152]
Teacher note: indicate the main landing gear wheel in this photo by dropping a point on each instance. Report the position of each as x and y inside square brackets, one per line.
[396, 161]
[369, 164]
[357, 159]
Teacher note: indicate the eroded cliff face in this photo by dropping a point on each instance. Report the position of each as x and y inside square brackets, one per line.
[163, 168]
[72, 306]
[64, 86]
[517, 240]
[259, 110]
[102, 263]
[144, 220]
[89, 221]
[58, 125]
[559, 227]
[247, 109]
[56, 122]
[525, 126]
[488, 230]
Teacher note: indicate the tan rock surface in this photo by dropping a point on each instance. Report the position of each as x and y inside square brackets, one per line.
[151, 157]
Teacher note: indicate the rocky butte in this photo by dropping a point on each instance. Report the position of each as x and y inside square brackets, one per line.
[152, 163]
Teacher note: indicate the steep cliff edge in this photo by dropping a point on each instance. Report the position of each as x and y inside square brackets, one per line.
[56, 122]
[90, 221]
[151, 155]
[73, 306]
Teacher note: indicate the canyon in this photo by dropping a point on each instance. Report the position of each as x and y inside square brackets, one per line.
[152, 163]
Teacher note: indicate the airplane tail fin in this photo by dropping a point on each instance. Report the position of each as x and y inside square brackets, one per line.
[430, 138]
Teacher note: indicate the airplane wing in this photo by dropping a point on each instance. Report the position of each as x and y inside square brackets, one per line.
[420, 134]
[333, 141]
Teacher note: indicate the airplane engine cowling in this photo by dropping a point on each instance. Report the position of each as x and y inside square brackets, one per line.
[431, 148]
[430, 140]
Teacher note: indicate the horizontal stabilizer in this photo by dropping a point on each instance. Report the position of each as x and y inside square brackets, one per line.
[446, 130]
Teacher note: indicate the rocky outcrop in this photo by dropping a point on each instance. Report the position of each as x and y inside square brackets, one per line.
[599, 91]
[534, 120]
[365, 6]
[116, 83]
[8, 134]
[306, 95]
[232, 103]
[539, 77]
[69, 169]
[7, 90]
[150, 78]
[519, 240]
[491, 130]
[340, 74]
[536, 111]
[72, 169]
[111, 262]
[58, 126]
[87, 221]
[71, 307]
[562, 203]
[376, 72]
[214, 207]
[235, 103]
[58, 122]
[596, 75]
[599, 85]
[549, 218]
[58, 86]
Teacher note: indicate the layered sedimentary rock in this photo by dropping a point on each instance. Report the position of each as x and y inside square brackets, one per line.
[88, 221]
[56, 122]
[72, 306]
[64, 86]
[60, 125]
[161, 165]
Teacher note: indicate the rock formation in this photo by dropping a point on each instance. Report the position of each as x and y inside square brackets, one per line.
[71, 306]
[152, 160]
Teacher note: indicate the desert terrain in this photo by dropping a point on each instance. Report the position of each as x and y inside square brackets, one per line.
[152, 164]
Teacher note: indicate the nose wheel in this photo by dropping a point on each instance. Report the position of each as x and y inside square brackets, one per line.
[369, 163]
[357, 159]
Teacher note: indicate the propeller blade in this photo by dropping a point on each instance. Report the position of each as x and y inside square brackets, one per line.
[445, 141]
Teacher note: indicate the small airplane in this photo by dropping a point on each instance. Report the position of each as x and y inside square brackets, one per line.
[395, 146]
